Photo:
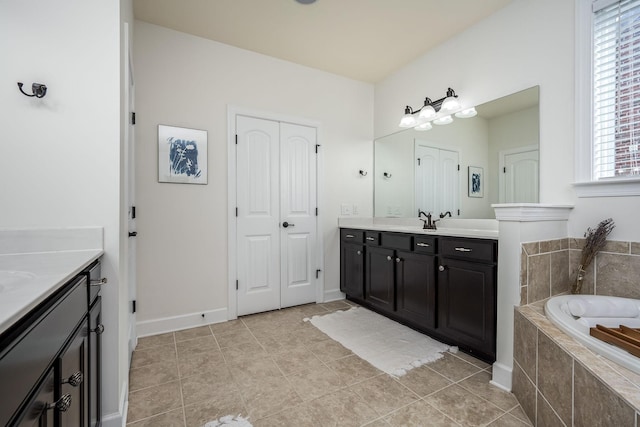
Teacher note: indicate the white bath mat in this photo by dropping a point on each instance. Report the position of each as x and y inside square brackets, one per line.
[387, 345]
[229, 421]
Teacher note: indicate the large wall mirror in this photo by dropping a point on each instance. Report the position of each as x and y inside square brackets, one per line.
[463, 167]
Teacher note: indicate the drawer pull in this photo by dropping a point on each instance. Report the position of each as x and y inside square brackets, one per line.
[398, 259]
[99, 329]
[359, 253]
[100, 282]
[371, 238]
[441, 268]
[349, 236]
[424, 245]
[463, 249]
[74, 380]
[61, 404]
[389, 258]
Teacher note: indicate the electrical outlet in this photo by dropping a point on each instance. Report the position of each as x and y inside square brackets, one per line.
[356, 210]
[346, 209]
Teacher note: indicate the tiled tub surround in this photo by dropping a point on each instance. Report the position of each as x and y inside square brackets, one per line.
[548, 268]
[559, 382]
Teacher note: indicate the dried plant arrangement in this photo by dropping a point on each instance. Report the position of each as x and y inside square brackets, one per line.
[594, 242]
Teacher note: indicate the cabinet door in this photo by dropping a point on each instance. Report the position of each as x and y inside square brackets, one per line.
[352, 269]
[379, 278]
[95, 363]
[467, 305]
[72, 379]
[416, 292]
[37, 412]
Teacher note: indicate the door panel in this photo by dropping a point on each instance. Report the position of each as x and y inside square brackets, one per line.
[416, 293]
[426, 178]
[297, 208]
[379, 278]
[520, 177]
[257, 193]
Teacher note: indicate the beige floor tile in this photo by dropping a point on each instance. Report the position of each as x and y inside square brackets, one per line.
[205, 344]
[188, 334]
[352, 369]
[417, 414]
[270, 397]
[344, 408]
[211, 385]
[198, 414]
[309, 334]
[149, 355]
[311, 310]
[453, 367]
[199, 362]
[336, 305]
[329, 350]
[251, 373]
[294, 360]
[154, 400]
[156, 340]
[384, 394]
[154, 374]
[468, 358]
[280, 343]
[299, 416]
[243, 353]
[377, 423]
[314, 381]
[234, 338]
[173, 418]
[519, 413]
[508, 421]
[230, 326]
[463, 406]
[424, 381]
[479, 384]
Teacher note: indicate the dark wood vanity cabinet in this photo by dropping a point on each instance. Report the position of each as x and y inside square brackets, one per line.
[442, 286]
[50, 361]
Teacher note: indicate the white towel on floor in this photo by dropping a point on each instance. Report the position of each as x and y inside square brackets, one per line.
[586, 306]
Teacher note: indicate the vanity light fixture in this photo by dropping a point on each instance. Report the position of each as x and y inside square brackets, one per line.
[428, 113]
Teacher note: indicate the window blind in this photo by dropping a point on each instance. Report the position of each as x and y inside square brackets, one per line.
[616, 90]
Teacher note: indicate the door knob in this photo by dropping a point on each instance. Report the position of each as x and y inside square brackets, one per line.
[287, 224]
[133, 233]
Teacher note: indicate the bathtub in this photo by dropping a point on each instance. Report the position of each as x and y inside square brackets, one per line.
[557, 310]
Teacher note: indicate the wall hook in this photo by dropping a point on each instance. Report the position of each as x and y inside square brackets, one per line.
[39, 90]
[386, 175]
[363, 173]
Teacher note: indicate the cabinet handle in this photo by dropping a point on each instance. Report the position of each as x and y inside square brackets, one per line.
[389, 258]
[463, 249]
[371, 238]
[99, 329]
[398, 259]
[424, 245]
[74, 380]
[442, 268]
[349, 236]
[61, 404]
[359, 253]
[100, 282]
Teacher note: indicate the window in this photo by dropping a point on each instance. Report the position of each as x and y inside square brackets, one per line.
[616, 89]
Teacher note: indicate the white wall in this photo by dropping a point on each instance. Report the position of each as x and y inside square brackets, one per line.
[188, 81]
[61, 154]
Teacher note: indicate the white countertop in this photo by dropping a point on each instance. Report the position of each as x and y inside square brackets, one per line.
[29, 277]
[473, 228]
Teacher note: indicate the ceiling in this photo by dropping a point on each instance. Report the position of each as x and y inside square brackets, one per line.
[364, 40]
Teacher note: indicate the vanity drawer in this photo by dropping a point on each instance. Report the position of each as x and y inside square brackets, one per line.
[372, 238]
[353, 236]
[396, 241]
[469, 249]
[425, 245]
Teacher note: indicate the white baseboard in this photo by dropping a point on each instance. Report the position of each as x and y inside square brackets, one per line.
[502, 376]
[119, 419]
[333, 295]
[176, 323]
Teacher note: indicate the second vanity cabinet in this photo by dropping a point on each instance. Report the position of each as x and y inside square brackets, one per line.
[442, 286]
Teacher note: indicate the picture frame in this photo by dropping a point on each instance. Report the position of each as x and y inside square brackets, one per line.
[476, 181]
[182, 155]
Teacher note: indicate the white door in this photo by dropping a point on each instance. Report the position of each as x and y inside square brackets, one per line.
[129, 170]
[276, 184]
[519, 178]
[437, 180]
[297, 210]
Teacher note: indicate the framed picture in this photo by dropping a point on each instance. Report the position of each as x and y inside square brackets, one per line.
[476, 182]
[182, 155]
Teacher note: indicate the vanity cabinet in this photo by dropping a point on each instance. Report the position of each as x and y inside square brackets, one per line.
[47, 362]
[442, 286]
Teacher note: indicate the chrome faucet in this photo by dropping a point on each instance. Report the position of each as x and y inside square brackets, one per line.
[443, 215]
[428, 223]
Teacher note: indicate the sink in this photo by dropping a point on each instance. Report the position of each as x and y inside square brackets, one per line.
[10, 279]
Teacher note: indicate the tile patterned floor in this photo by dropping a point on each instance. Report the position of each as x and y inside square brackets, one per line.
[280, 371]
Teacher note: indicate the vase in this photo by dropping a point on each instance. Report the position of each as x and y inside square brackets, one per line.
[576, 288]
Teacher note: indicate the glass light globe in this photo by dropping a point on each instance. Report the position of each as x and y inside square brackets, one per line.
[444, 120]
[427, 113]
[424, 126]
[450, 104]
[408, 121]
[467, 113]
